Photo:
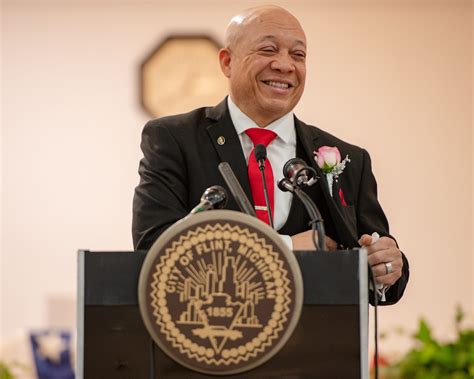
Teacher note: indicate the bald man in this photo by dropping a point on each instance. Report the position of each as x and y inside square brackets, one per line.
[264, 59]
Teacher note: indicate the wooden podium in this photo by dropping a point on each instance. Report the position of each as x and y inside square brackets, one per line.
[330, 341]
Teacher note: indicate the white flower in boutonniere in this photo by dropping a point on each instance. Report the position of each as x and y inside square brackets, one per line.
[329, 161]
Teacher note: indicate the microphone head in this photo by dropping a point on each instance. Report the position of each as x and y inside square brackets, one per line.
[216, 196]
[299, 173]
[292, 167]
[260, 152]
[285, 185]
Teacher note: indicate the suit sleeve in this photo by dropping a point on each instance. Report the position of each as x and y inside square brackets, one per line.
[371, 218]
[161, 197]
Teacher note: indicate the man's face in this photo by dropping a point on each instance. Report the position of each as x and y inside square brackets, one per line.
[266, 66]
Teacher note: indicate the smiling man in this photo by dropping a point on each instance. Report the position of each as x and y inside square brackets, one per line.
[264, 59]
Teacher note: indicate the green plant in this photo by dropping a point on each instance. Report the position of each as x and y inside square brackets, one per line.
[432, 359]
[5, 372]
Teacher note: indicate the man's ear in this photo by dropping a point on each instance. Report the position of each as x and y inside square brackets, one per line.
[224, 60]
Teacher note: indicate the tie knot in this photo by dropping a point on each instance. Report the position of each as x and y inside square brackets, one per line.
[260, 136]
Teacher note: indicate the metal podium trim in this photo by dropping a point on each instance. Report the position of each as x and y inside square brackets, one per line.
[364, 313]
[80, 314]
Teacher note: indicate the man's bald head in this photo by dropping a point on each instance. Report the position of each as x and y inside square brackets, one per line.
[243, 22]
[264, 59]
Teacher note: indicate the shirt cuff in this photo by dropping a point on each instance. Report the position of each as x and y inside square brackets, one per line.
[287, 240]
[381, 293]
[380, 290]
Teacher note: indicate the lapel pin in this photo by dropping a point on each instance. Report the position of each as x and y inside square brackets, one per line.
[221, 140]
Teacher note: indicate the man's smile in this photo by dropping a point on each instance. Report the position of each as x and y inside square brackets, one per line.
[272, 83]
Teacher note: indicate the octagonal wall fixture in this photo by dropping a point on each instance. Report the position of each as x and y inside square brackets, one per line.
[181, 74]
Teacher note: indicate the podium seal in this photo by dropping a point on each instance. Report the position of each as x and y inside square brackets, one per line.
[220, 292]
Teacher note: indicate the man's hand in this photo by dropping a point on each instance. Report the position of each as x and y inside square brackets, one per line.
[304, 241]
[383, 251]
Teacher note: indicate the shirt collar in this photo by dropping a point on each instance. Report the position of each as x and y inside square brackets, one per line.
[284, 127]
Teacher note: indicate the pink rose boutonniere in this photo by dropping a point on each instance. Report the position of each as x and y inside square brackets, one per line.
[329, 161]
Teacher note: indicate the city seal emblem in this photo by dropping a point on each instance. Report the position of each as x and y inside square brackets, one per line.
[220, 292]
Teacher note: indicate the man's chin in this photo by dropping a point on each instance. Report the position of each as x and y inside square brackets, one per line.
[277, 108]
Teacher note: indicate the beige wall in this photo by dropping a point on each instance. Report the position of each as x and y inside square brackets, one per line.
[1, 180]
[392, 77]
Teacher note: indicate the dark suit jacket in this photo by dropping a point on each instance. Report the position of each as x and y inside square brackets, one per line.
[181, 155]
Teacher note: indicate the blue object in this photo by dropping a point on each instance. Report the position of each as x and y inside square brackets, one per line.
[59, 366]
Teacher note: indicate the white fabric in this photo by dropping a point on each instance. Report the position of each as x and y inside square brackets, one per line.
[381, 289]
[279, 151]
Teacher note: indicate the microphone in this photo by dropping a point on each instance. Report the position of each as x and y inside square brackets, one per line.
[299, 173]
[214, 197]
[260, 152]
[236, 189]
[285, 185]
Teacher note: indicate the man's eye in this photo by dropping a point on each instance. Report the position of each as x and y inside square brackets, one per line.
[268, 49]
[300, 54]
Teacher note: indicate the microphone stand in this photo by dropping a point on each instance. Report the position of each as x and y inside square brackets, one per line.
[316, 219]
[260, 153]
[261, 166]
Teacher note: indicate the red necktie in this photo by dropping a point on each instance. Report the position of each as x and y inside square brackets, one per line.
[264, 137]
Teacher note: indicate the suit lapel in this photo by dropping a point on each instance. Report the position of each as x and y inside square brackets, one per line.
[311, 141]
[227, 144]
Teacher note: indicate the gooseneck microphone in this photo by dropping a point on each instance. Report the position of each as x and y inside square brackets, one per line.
[260, 153]
[214, 197]
[297, 175]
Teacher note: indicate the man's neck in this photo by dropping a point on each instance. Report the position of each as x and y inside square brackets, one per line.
[260, 120]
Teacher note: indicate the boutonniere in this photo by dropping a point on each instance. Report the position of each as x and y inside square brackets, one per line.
[329, 161]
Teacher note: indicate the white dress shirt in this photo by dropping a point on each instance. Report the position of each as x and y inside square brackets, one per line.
[279, 151]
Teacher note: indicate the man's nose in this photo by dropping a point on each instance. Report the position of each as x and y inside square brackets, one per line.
[283, 62]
